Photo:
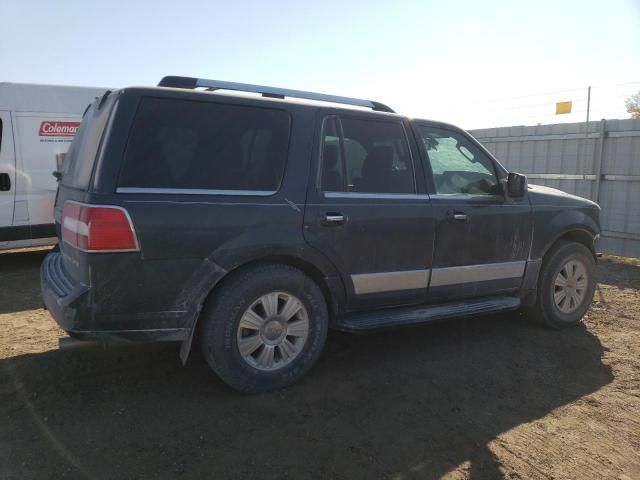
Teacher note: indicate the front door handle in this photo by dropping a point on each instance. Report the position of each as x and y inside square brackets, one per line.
[5, 182]
[334, 218]
[457, 216]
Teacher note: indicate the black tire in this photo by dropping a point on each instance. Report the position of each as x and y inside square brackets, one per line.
[545, 310]
[224, 310]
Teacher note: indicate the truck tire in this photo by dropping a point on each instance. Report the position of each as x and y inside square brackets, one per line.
[566, 285]
[265, 328]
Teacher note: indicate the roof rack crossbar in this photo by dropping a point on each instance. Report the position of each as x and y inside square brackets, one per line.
[272, 92]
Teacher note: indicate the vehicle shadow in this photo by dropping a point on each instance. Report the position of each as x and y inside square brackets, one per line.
[20, 268]
[414, 403]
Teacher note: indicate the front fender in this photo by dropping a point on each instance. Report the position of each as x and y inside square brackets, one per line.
[551, 224]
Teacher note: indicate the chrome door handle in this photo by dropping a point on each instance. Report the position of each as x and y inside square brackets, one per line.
[334, 218]
[457, 216]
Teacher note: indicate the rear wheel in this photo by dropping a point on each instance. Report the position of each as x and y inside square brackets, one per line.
[566, 285]
[265, 328]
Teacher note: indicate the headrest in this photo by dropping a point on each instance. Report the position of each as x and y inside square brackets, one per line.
[380, 157]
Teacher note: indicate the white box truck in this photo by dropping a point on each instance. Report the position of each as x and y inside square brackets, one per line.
[37, 122]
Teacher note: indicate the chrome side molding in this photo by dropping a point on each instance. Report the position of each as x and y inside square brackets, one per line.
[196, 191]
[378, 282]
[476, 273]
[389, 281]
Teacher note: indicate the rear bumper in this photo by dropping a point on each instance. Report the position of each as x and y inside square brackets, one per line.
[70, 305]
[63, 298]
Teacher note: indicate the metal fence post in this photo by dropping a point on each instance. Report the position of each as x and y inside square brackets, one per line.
[598, 160]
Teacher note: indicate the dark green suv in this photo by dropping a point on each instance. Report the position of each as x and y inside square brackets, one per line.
[252, 223]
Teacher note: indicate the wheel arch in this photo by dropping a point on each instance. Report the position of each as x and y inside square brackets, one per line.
[530, 284]
[328, 287]
[332, 288]
[571, 238]
[577, 235]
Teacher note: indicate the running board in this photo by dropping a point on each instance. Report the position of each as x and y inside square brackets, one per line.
[399, 317]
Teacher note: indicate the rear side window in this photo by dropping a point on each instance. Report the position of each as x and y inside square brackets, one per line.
[81, 156]
[178, 144]
[368, 156]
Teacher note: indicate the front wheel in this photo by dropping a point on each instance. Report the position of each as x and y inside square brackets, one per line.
[566, 285]
[265, 328]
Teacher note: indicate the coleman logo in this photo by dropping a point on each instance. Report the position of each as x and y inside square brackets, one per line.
[58, 129]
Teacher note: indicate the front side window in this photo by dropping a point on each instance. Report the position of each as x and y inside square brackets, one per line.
[202, 145]
[458, 166]
[367, 156]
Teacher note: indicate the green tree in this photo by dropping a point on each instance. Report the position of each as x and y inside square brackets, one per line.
[633, 105]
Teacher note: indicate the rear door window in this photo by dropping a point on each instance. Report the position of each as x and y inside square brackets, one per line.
[179, 144]
[368, 156]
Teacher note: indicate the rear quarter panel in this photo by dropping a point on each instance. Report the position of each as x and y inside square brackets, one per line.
[189, 242]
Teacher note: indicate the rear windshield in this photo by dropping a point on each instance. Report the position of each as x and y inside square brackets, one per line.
[78, 163]
[180, 144]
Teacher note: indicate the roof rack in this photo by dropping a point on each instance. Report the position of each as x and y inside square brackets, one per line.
[271, 92]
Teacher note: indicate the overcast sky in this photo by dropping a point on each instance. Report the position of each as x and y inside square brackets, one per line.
[473, 63]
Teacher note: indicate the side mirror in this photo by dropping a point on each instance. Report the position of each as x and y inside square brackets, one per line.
[516, 185]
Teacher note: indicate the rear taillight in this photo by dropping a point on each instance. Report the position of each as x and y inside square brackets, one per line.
[98, 228]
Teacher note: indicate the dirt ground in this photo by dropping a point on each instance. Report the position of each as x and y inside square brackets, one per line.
[489, 397]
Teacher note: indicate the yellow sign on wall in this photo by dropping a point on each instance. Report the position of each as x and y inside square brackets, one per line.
[563, 107]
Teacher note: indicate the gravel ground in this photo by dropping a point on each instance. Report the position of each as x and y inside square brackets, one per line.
[489, 397]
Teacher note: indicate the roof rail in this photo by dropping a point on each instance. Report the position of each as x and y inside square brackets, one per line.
[272, 92]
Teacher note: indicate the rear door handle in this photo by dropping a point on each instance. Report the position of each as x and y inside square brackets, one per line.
[457, 216]
[333, 218]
